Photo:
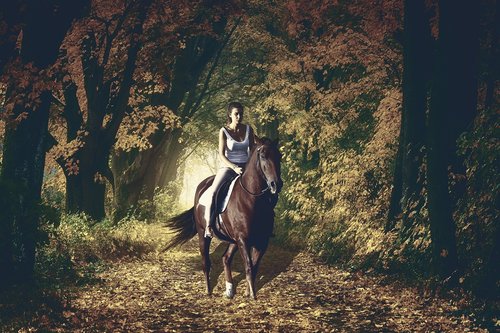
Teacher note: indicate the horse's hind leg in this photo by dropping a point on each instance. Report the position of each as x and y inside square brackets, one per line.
[205, 259]
[227, 258]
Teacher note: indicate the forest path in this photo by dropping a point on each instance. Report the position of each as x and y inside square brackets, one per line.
[165, 293]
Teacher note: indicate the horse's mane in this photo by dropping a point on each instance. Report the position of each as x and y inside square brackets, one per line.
[264, 141]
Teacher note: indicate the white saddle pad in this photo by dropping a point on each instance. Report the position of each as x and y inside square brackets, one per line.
[205, 198]
[228, 195]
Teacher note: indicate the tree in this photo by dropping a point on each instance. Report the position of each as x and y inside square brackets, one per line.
[408, 180]
[44, 26]
[141, 171]
[452, 108]
[107, 95]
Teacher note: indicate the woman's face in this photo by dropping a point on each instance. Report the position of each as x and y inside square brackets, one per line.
[236, 116]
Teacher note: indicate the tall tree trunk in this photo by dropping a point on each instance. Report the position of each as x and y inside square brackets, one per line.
[416, 64]
[417, 51]
[493, 66]
[452, 109]
[25, 144]
[86, 190]
[488, 286]
[168, 171]
[22, 167]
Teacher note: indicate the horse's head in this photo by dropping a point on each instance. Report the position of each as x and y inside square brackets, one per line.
[269, 157]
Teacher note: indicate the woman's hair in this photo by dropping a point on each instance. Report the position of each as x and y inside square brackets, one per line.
[230, 107]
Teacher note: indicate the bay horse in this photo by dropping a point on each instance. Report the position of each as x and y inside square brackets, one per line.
[247, 223]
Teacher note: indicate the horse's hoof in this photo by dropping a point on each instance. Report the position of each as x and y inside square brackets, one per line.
[247, 294]
[229, 293]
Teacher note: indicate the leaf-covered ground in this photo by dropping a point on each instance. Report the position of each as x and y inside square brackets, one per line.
[165, 293]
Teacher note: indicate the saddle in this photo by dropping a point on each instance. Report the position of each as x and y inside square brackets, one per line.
[219, 205]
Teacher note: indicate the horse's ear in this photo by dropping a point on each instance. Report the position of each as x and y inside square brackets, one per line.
[258, 141]
[276, 142]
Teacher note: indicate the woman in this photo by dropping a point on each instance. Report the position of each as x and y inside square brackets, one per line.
[235, 142]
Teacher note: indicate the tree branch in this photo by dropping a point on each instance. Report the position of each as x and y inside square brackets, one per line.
[212, 68]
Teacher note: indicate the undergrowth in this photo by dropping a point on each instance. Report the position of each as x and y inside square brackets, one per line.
[72, 250]
[83, 240]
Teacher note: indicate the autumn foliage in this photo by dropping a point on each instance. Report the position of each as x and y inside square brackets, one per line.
[138, 86]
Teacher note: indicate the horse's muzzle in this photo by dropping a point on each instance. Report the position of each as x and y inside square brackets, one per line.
[273, 187]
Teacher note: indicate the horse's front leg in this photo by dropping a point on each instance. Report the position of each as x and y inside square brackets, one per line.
[205, 258]
[247, 261]
[257, 254]
[227, 258]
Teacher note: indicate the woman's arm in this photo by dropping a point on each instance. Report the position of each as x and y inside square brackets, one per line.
[222, 155]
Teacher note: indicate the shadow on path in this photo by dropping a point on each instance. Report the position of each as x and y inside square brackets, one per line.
[275, 261]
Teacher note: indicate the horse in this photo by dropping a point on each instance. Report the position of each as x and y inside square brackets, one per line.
[247, 222]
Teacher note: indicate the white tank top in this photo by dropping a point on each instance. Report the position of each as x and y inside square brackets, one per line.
[237, 151]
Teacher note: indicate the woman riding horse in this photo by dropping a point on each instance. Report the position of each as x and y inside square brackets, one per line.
[235, 142]
[247, 223]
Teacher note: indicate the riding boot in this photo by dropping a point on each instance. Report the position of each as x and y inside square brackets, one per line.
[208, 216]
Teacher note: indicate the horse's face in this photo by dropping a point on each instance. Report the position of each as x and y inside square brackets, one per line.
[270, 158]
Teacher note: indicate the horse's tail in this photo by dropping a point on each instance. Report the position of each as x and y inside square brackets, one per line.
[183, 226]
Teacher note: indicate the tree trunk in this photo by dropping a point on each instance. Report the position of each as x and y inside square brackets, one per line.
[168, 171]
[26, 144]
[86, 191]
[22, 168]
[416, 57]
[452, 109]
[129, 173]
[492, 63]
[488, 285]
[407, 184]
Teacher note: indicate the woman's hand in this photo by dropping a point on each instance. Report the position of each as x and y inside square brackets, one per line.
[238, 170]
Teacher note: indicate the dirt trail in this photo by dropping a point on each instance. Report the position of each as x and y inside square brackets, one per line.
[295, 294]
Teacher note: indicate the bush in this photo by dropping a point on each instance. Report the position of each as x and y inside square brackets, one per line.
[84, 240]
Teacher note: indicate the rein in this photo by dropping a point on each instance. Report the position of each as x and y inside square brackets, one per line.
[253, 194]
[263, 175]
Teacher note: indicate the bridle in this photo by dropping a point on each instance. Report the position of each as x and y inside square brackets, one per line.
[262, 174]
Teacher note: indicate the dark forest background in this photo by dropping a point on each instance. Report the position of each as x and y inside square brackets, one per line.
[386, 112]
